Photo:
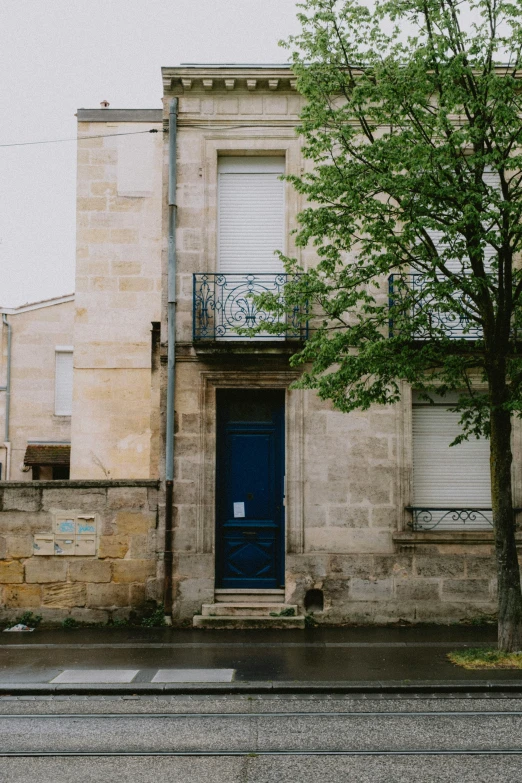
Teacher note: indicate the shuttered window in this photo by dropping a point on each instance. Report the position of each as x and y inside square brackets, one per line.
[444, 477]
[250, 214]
[63, 387]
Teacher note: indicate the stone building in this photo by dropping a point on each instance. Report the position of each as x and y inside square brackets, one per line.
[281, 506]
[36, 361]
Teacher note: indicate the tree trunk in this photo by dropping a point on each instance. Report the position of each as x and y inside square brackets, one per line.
[509, 592]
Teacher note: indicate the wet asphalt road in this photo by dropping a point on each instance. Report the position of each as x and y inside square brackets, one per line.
[320, 655]
[256, 728]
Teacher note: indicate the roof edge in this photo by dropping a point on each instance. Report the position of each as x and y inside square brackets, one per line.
[119, 115]
[37, 305]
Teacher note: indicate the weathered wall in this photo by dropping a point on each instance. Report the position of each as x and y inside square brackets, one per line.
[118, 282]
[348, 475]
[36, 331]
[123, 574]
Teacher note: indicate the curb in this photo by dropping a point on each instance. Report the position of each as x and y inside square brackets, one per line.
[283, 687]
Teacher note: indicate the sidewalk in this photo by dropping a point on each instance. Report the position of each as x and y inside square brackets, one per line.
[166, 660]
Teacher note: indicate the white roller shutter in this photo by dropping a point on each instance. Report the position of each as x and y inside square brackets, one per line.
[444, 477]
[63, 388]
[251, 214]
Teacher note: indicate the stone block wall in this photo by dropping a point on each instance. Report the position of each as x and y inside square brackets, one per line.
[123, 575]
[118, 292]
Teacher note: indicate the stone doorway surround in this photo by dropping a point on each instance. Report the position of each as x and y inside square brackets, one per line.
[294, 458]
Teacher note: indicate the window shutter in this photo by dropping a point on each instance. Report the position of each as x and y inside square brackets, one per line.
[251, 214]
[456, 477]
[63, 389]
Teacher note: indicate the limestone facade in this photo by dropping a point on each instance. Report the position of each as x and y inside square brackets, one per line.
[118, 291]
[348, 476]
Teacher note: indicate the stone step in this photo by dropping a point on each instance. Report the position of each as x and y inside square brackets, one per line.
[243, 622]
[228, 596]
[250, 609]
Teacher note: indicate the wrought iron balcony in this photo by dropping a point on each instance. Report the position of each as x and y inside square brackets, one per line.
[224, 303]
[422, 305]
[450, 518]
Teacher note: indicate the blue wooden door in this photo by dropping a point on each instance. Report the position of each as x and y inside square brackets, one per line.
[249, 489]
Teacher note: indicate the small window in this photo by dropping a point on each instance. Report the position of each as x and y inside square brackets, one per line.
[63, 389]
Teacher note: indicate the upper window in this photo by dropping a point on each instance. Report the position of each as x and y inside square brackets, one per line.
[63, 384]
[451, 485]
[251, 214]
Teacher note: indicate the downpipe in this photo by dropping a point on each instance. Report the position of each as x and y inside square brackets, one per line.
[7, 389]
[171, 361]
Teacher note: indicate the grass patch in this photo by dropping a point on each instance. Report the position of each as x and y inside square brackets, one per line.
[486, 658]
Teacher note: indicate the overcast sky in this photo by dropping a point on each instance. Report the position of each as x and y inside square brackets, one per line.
[60, 55]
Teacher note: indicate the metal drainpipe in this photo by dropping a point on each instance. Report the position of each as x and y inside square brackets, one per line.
[7, 389]
[171, 358]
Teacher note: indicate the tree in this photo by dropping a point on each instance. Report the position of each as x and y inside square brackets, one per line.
[413, 124]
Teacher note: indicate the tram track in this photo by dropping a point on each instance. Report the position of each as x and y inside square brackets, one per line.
[252, 734]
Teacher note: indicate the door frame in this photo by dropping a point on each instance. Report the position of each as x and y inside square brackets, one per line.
[209, 381]
[227, 426]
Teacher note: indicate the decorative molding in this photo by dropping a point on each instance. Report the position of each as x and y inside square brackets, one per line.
[273, 84]
[187, 84]
[208, 84]
[251, 84]
[293, 84]
[230, 84]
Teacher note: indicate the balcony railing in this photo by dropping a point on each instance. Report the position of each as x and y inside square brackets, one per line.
[224, 303]
[423, 305]
[450, 518]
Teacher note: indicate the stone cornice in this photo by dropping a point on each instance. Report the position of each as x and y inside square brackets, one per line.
[226, 78]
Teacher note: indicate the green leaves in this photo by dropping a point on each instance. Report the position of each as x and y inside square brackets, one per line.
[412, 122]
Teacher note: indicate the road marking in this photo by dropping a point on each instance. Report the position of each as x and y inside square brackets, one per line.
[109, 676]
[194, 675]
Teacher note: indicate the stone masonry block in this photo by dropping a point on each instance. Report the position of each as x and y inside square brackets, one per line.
[481, 567]
[88, 500]
[465, 589]
[133, 522]
[140, 547]
[371, 590]
[90, 571]
[113, 546]
[11, 571]
[19, 523]
[19, 546]
[137, 596]
[23, 596]
[392, 565]
[344, 566]
[128, 571]
[348, 516]
[42, 570]
[20, 499]
[440, 565]
[69, 594]
[83, 615]
[107, 596]
[131, 498]
[417, 590]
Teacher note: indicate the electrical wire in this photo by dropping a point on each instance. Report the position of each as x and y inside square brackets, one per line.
[208, 126]
[78, 138]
